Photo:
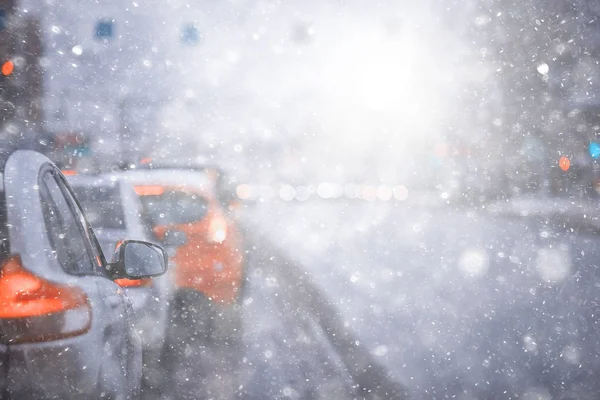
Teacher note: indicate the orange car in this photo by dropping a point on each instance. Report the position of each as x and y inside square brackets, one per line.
[205, 245]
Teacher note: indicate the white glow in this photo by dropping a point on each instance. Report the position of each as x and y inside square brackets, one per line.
[384, 193]
[356, 95]
[287, 193]
[553, 264]
[393, 82]
[543, 69]
[218, 230]
[474, 262]
[337, 191]
[243, 191]
[219, 235]
[77, 50]
[400, 193]
[325, 190]
[369, 193]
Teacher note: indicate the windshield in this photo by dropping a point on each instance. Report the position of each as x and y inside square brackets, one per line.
[173, 207]
[102, 206]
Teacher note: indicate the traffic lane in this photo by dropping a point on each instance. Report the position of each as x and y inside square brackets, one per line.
[331, 362]
[286, 354]
[194, 364]
[283, 353]
[454, 301]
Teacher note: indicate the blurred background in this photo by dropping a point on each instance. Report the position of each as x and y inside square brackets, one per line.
[409, 157]
[337, 92]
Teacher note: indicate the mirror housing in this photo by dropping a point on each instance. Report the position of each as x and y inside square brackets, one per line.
[138, 260]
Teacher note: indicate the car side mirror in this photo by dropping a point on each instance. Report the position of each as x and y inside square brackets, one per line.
[137, 260]
[174, 238]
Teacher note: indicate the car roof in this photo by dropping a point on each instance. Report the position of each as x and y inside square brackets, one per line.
[91, 180]
[192, 165]
[168, 161]
[167, 177]
[5, 152]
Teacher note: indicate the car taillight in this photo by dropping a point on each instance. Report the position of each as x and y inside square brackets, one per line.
[133, 282]
[217, 230]
[149, 190]
[33, 309]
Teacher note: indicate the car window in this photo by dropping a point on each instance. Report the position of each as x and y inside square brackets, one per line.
[147, 223]
[102, 206]
[68, 236]
[86, 228]
[108, 247]
[174, 207]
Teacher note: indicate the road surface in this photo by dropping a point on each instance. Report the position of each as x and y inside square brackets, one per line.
[454, 301]
[350, 299]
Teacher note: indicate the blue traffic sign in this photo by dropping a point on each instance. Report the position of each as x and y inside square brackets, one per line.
[190, 34]
[104, 29]
[594, 150]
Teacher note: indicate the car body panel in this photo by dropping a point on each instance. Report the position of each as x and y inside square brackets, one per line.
[107, 358]
[149, 303]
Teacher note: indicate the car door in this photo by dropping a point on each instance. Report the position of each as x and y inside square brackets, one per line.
[48, 229]
[122, 346]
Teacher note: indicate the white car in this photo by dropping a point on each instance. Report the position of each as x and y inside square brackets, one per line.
[114, 210]
[65, 325]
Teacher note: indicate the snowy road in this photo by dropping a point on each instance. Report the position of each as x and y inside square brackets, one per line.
[455, 302]
[295, 345]
[286, 353]
[345, 299]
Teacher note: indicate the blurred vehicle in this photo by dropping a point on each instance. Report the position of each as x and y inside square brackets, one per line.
[205, 244]
[65, 325]
[114, 210]
[223, 185]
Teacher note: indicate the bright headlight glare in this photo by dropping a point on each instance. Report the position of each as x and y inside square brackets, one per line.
[218, 230]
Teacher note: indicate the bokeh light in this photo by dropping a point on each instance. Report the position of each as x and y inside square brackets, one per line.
[400, 192]
[594, 150]
[243, 191]
[7, 68]
[564, 163]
